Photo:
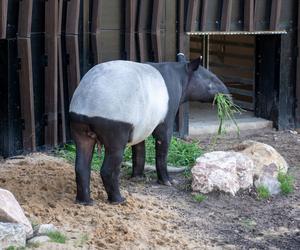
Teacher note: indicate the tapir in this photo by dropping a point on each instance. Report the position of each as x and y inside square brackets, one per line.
[120, 103]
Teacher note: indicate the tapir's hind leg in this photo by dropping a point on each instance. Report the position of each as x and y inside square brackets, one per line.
[85, 143]
[138, 159]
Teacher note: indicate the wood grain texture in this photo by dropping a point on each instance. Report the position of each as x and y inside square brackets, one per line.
[73, 69]
[226, 15]
[192, 11]
[204, 11]
[130, 43]
[275, 14]
[155, 30]
[298, 73]
[72, 21]
[96, 14]
[51, 72]
[3, 18]
[27, 95]
[25, 18]
[249, 15]
[142, 26]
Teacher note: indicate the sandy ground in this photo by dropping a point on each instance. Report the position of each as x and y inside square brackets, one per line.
[155, 216]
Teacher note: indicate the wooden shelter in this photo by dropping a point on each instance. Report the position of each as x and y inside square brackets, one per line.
[46, 46]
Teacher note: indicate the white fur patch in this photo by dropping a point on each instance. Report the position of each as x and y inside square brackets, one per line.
[124, 91]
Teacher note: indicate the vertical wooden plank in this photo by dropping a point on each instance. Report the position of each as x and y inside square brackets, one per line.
[275, 14]
[248, 15]
[130, 48]
[27, 97]
[73, 7]
[25, 75]
[142, 37]
[51, 74]
[25, 18]
[73, 69]
[3, 18]
[95, 30]
[193, 8]
[226, 15]
[297, 111]
[62, 137]
[171, 31]
[155, 29]
[204, 11]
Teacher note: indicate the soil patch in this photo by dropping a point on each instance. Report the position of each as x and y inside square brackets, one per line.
[155, 216]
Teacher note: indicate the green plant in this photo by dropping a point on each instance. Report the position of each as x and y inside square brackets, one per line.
[57, 237]
[263, 192]
[15, 248]
[226, 110]
[181, 153]
[199, 197]
[286, 183]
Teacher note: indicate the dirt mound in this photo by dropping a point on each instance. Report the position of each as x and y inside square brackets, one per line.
[45, 188]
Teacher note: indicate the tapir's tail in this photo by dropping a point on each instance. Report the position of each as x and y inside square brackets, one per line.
[94, 136]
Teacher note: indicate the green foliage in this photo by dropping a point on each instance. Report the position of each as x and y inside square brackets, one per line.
[57, 237]
[199, 198]
[226, 110]
[263, 192]
[15, 248]
[181, 153]
[286, 183]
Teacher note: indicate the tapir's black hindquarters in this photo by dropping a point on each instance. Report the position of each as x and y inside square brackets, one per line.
[114, 136]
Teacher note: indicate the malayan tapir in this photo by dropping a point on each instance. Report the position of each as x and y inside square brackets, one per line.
[120, 103]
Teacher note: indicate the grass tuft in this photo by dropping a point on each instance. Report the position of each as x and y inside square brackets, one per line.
[226, 110]
[286, 183]
[199, 198]
[57, 237]
[263, 192]
[181, 153]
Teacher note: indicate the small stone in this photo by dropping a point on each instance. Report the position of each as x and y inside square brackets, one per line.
[11, 211]
[46, 228]
[39, 240]
[12, 234]
[268, 181]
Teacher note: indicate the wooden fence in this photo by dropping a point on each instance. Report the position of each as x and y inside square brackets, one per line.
[46, 46]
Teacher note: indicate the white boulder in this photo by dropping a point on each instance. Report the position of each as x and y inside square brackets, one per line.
[223, 171]
[263, 156]
[11, 211]
[39, 240]
[45, 229]
[12, 234]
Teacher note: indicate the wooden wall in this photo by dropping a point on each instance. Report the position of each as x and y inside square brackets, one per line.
[47, 46]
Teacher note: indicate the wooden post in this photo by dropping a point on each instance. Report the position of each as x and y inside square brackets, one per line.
[275, 14]
[130, 48]
[155, 30]
[72, 48]
[297, 112]
[95, 30]
[3, 18]
[62, 137]
[51, 72]
[25, 75]
[249, 15]
[192, 12]
[226, 15]
[204, 12]
[142, 36]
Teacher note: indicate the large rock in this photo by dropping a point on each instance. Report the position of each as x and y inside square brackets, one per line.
[263, 156]
[11, 211]
[224, 171]
[12, 234]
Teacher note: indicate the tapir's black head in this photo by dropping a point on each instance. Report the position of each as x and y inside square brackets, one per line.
[203, 85]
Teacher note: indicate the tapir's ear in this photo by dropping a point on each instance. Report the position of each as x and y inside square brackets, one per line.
[181, 57]
[194, 65]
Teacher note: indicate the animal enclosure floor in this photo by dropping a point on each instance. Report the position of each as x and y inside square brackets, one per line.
[155, 216]
[203, 120]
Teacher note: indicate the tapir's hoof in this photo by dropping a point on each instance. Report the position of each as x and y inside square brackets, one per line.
[169, 182]
[118, 201]
[137, 178]
[89, 202]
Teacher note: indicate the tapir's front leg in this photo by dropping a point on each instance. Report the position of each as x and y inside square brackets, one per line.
[162, 135]
[138, 159]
